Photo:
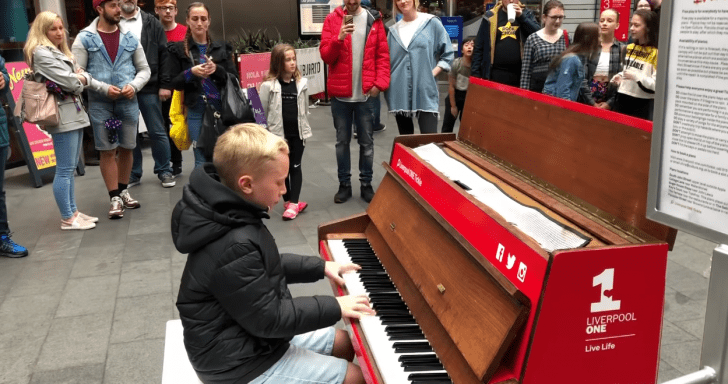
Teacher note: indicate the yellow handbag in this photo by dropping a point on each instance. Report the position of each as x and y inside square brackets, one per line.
[179, 133]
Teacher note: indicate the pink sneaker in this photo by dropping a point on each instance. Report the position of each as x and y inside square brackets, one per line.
[291, 211]
[301, 206]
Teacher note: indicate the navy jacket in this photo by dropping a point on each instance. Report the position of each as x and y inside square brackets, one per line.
[484, 40]
[154, 42]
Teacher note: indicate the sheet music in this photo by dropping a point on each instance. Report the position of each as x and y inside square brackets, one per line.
[549, 234]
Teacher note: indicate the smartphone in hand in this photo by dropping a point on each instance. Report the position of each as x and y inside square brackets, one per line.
[348, 19]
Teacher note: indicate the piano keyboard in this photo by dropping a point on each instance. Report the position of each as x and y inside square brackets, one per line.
[398, 345]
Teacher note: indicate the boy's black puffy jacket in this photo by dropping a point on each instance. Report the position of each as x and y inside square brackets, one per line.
[236, 309]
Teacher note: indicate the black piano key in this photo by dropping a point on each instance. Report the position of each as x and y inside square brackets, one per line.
[424, 358]
[405, 337]
[373, 273]
[412, 349]
[404, 328]
[424, 367]
[391, 322]
[391, 295]
[428, 376]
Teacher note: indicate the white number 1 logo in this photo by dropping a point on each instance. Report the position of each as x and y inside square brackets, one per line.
[606, 280]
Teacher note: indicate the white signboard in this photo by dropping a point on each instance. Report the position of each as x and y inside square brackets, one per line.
[689, 165]
[312, 67]
[312, 14]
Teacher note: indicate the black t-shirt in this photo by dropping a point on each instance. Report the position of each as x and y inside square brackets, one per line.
[507, 54]
[289, 99]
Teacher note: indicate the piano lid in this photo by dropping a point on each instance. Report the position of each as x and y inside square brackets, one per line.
[593, 156]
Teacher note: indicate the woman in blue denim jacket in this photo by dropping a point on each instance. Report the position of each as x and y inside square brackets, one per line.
[567, 71]
[419, 49]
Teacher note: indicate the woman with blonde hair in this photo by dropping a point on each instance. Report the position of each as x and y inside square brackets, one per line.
[419, 49]
[284, 95]
[49, 57]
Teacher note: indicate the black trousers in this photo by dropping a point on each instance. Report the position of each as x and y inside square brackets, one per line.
[295, 175]
[634, 106]
[448, 123]
[426, 120]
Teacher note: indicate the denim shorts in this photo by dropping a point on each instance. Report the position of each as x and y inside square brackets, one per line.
[123, 109]
[307, 361]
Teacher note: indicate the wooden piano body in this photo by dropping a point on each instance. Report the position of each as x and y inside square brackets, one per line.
[495, 305]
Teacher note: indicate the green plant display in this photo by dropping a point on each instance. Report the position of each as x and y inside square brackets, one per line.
[260, 41]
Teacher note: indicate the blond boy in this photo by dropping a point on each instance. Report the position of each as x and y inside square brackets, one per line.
[241, 323]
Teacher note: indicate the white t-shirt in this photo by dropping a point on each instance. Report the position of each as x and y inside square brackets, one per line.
[407, 29]
[603, 65]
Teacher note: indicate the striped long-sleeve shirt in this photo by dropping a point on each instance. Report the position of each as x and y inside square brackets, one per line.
[537, 54]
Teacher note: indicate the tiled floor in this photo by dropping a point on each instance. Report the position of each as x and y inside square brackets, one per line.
[90, 307]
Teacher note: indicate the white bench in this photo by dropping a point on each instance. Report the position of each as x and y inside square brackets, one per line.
[177, 368]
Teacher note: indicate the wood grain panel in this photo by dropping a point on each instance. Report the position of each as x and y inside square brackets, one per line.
[482, 330]
[602, 162]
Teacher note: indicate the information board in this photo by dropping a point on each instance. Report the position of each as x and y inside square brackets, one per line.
[312, 13]
[623, 7]
[454, 27]
[41, 143]
[688, 187]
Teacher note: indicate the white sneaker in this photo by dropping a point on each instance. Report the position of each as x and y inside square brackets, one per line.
[76, 223]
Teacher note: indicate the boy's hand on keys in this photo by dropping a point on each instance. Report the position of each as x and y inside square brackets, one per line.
[334, 270]
[354, 307]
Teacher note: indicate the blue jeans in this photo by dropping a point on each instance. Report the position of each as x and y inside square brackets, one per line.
[67, 146]
[307, 361]
[4, 229]
[151, 109]
[194, 124]
[344, 114]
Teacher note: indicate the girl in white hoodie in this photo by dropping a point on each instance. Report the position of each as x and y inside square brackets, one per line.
[284, 95]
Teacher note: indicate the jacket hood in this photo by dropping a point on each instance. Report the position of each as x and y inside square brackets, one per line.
[208, 210]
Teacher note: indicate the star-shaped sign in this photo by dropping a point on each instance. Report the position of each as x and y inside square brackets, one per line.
[508, 30]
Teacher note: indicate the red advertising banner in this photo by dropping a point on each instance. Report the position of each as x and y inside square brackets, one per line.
[41, 144]
[623, 7]
[253, 69]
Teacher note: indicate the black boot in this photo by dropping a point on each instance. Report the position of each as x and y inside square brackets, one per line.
[343, 194]
[367, 192]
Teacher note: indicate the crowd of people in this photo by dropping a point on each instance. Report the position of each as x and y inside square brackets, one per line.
[241, 322]
[595, 68]
[130, 62]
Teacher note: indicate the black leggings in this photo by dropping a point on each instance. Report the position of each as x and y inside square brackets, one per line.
[448, 123]
[426, 120]
[295, 176]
